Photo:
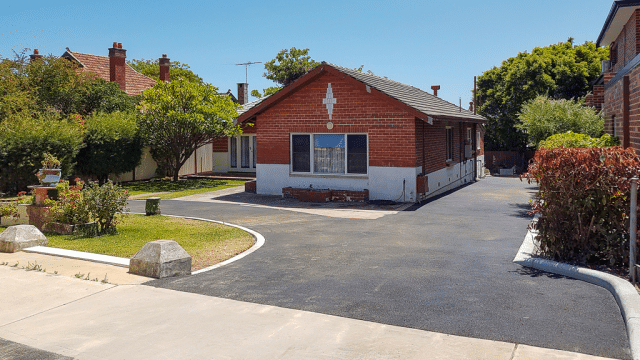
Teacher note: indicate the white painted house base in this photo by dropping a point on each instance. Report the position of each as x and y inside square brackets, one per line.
[384, 183]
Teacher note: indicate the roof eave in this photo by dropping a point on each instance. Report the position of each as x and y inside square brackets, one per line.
[611, 17]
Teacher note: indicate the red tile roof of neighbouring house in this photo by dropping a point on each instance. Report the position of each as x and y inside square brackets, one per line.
[136, 82]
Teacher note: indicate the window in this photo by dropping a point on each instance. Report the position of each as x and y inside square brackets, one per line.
[468, 136]
[478, 140]
[613, 125]
[449, 134]
[300, 152]
[330, 154]
[234, 152]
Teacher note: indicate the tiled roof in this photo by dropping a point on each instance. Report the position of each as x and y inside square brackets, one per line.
[136, 82]
[420, 100]
[250, 105]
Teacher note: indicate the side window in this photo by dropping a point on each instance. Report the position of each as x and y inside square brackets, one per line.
[357, 154]
[449, 134]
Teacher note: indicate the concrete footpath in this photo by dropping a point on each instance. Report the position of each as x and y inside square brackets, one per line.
[92, 320]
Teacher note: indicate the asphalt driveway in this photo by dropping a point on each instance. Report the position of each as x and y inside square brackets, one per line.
[445, 266]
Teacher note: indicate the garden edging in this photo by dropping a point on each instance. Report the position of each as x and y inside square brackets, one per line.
[623, 291]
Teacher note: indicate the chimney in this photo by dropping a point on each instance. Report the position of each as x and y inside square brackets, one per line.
[470, 105]
[35, 55]
[117, 65]
[243, 93]
[164, 68]
[435, 89]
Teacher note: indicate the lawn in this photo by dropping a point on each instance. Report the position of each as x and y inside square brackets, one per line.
[167, 189]
[207, 243]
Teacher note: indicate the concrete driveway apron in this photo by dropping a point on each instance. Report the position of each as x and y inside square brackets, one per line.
[445, 266]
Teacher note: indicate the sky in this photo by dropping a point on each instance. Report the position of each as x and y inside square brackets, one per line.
[420, 43]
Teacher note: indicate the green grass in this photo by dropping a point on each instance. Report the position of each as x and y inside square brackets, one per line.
[207, 243]
[174, 189]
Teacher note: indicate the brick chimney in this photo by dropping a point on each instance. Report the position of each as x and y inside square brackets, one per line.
[243, 93]
[35, 55]
[117, 65]
[435, 89]
[164, 68]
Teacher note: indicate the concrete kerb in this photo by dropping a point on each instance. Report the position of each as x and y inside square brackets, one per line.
[625, 294]
[257, 237]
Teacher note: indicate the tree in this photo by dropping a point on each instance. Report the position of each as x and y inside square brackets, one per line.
[100, 95]
[112, 145]
[543, 117]
[560, 71]
[152, 69]
[289, 65]
[180, 116]
[268, 91]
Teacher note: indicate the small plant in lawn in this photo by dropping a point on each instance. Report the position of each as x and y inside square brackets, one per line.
[15, 265]
[79, 275]
[106, 203]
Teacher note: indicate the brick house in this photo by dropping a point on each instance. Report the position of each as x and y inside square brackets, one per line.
[617, 90]
[356, 135]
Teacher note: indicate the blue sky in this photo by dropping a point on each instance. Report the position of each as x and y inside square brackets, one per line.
[420, 43]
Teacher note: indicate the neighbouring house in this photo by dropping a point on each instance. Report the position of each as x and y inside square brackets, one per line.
[353, 135]
[617, 90]
[115, 69]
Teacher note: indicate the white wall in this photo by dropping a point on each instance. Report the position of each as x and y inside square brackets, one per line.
[384, 183]
[450, 177]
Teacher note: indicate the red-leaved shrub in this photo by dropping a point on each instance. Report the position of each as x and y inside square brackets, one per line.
[583, 202]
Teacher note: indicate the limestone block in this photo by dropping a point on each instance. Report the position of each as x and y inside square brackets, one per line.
[18, 237]
[160, 259]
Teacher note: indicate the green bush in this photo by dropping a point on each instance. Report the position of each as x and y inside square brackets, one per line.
[583, 202]
[543, 117]
[574, 140]
[112, 145]
[25, 140]
[71, 206]
[106, 204]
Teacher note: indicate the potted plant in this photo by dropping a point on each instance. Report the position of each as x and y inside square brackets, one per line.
[50, 173]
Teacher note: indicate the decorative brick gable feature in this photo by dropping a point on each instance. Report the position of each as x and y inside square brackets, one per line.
[117, 65]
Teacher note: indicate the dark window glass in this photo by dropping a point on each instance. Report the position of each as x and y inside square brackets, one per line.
[244, 151]
[357, 154]
[234, 152]
[301, 153]
[449, 132]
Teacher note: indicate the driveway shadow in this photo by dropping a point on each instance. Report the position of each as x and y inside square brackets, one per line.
[526, 271]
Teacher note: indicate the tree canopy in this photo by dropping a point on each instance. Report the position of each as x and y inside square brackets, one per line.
[180, 116]
[152, 69]
[559, 71]
[286, 68]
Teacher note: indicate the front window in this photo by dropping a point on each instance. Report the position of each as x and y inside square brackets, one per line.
[330, 153]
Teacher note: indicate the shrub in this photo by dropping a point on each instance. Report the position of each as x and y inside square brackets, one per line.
[583, 202]
[23, 142]
[112, 145]
[71, 206]
[575, 140]
[105, 203]
[543, 117]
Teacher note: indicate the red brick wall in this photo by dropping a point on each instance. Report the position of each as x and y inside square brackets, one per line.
[614, 109]
[628, 41]
[390, 128]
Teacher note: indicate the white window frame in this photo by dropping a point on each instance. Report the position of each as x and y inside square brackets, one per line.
[311, 155]
[478, 140]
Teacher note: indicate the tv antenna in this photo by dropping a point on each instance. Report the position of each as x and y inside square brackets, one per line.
[246, 67]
